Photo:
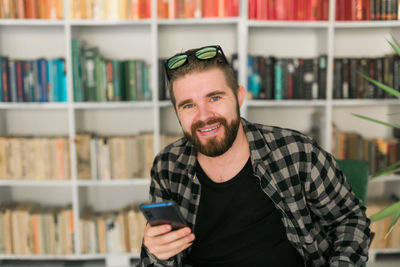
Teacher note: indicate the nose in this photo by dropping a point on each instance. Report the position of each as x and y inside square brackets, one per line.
[204, 112]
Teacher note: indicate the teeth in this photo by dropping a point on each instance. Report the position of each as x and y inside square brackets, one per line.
[209, 129]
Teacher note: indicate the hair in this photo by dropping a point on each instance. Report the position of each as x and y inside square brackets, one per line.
[195, 65]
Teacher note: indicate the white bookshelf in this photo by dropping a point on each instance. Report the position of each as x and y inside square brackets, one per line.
[150, 39]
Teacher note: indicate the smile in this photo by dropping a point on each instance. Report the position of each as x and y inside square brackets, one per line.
[206, 130]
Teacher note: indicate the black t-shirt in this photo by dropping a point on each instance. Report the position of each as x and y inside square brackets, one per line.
[237, 224]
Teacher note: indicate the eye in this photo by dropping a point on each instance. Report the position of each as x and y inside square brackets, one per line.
[215, 98]
[187, 106]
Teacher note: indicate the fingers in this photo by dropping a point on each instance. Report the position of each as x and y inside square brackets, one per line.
[164, 244]
[157, 230]
[169, 254]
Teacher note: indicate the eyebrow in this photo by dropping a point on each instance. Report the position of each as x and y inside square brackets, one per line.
[214, 93]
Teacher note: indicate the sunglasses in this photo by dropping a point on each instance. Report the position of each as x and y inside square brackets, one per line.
[203, 53]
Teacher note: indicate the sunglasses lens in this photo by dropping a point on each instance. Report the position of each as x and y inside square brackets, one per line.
[206, 53]
[176, 62]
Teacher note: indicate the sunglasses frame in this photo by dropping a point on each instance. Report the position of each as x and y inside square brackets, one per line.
[217, 47]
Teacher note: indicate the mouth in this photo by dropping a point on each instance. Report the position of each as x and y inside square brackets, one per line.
[209, 129]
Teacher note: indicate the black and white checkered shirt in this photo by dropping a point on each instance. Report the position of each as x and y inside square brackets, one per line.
[302, 180]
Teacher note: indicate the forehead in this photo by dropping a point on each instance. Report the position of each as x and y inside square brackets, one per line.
[198, 84]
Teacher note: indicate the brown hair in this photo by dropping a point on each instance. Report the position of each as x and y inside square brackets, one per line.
[195, 65]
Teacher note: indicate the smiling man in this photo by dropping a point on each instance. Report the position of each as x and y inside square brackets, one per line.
[252, 195]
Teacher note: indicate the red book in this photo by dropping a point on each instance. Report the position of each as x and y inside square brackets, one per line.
[259, 9]
[301, 9]
[312, 7]
[210, 8]
[366, 10]
[110, 86]
[4, 67]
[148, 9]
[291, 9]
[252, 9]
[325, 10]
[236, 7]
[280, 9]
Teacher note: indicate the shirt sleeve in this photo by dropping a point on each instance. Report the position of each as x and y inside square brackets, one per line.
[158, 193]
[339, 211]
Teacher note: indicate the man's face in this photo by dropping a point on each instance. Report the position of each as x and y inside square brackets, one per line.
[208, 111]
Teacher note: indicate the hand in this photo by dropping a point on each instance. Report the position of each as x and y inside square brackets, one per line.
[163, 243]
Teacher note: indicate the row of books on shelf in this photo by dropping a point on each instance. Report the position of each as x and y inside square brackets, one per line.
[382, 238]
[27, 228]
[379, 152]
[285, 78]
[112, 232]
[172, 9]
[37, 80]
[347, 83]
[98, 79]
[359, 10]
[98, 157]
[31, 9]
[109, 9]
[294, 10]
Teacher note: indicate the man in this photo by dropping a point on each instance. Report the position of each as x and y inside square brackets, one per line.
[252, 195]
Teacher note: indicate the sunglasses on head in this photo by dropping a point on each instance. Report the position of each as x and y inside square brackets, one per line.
[203, 53]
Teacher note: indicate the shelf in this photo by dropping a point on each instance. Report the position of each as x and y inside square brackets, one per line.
[197, 21]
[364, 102]
[113, 105]
[386, 178]
[286, 103]
[384, 251]
[366, 24]
[38, 183]
[32, 105]
[109, 22]
[32, 22]
[120, 182]
[65, 257]
[165, 104]
[288, 24]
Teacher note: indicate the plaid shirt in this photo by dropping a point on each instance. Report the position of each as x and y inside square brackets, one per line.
[302, 180]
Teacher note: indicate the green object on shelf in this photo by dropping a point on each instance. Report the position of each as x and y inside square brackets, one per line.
[356, 172]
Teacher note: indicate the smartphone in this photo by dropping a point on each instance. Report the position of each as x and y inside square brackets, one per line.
[163, 213]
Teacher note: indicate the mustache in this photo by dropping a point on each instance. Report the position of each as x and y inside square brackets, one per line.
[200, 124]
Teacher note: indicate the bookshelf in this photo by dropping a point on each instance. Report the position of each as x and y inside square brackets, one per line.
[153, 38]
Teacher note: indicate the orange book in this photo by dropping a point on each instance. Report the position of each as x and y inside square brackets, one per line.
[20, 9]
[134, 9]
[210, 8]
[35, 226]
[188, 8]
[221, 8]
[172, 9]
[162, 9]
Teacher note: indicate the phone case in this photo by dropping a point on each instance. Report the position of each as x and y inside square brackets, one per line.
[163, 213]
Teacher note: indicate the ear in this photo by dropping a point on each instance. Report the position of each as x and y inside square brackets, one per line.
[241, 93]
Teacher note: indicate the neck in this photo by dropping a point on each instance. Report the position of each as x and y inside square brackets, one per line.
[227, 165]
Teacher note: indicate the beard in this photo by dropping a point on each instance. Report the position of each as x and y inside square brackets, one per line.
[213, 147]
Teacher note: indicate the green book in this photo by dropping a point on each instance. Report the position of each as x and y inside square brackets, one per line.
[130, 80]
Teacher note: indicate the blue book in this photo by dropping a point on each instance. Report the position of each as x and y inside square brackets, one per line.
[51, 83]
[62, 81]
[249, 71]
[278, 79]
